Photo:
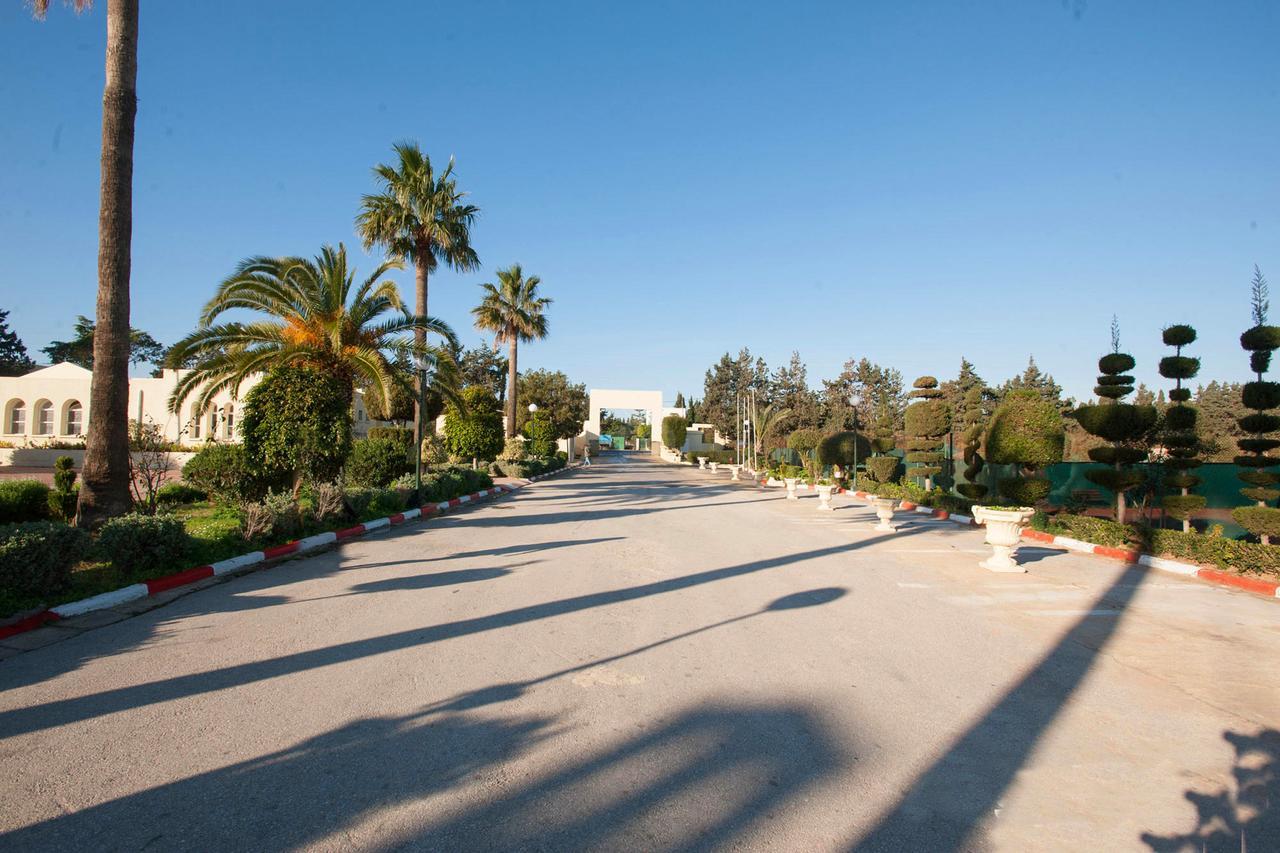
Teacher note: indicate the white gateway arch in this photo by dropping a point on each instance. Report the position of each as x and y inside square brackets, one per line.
[616, 398]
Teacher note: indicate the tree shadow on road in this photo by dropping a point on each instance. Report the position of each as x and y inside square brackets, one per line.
[1247, 818]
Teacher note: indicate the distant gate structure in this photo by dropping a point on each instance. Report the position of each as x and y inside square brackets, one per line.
[615, 398]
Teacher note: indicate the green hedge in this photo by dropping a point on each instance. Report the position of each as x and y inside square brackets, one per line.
[137, 544]
[36, 557]
[176, 494]
[375, 462]
[23, 500]
[1227, 554]
[223, 472]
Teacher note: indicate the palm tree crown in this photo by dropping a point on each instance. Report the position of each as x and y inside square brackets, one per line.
[513, 311]
[315, 320]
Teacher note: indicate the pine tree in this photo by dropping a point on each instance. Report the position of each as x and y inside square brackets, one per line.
[1262, 520]
[1180, 441]
[928, 421]
[14, 360]
[680, 400]
[1124, 425]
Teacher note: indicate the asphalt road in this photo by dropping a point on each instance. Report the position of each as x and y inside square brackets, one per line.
[643, 657]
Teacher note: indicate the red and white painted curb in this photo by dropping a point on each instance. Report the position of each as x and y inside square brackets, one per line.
[155, 586]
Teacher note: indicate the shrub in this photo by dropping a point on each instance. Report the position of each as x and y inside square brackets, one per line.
[974, 463]
[512, 451]
[927, 421]
[1258, 520]
[1260, 341]
[477, 432]
[176, 494]
[329, 507]
[138, 544]
[1026, 430]
[375, 462]
[366, 504]
[434, 451]
[401, 435]
[36, 557]
[881, 469]
[1024, 491]
[297, 425]
[843, 449]
[222, 471]
[674, 430]
[23, 500]
[286, 515]
[542, 436]
[65, 494]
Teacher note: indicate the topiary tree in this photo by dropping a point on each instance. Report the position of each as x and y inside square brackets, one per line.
[297, 426]
[1026, 430]
[674, 430]
[804, 442]
[542, 436]
[927, 422]
[1262, 520]
[974, 463]
[844, 449]
[1180, 441]
[477, 432]
[1124, 425]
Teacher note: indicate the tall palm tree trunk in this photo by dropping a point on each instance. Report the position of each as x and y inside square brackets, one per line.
[104, 490]
[511, 388]
[421, 258]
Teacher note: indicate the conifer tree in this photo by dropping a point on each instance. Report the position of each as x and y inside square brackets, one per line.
[1262, 520]
[927, 422]
[1181, 443]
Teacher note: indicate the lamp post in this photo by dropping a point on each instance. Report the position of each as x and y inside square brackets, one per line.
[854, 400]
[426, 369]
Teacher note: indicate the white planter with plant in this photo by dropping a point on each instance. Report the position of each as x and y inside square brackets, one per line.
[791, 488]
[825, 490]
[1004, 526]
[735, 470]
[714, 466]
[702, 462]
[884, 512]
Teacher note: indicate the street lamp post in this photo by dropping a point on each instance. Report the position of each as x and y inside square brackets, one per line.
[854, 400]
[426, 369]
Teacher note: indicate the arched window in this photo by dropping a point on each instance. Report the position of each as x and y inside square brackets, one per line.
[44, 418]
[73, 420]
[15, 421]
[195, 424]
[229, 422]
[213, 424]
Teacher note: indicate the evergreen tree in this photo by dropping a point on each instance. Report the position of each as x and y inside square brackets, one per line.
[789, 389]
[14, 360]
[728, 380]
[679, 400]
[1180, 441]
[79, 350]
[966, 390]
[1221, 408]
[1262, 520]
[1033, 379]
[928, 421]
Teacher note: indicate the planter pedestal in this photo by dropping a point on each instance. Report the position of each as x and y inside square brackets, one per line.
[702, 462]
[884, 512]
[714, 466]
[791, 488]
[824, 498]
[735, 470]
[1003, 533]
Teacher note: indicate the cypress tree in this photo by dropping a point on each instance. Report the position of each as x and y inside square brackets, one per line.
[1262, 520]
[927, 422]
[1125, 425]
[1181, 443]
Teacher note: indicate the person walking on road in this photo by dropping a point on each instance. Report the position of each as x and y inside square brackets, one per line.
[586, 455]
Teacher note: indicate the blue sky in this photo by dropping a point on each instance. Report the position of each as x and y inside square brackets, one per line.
[907, 181]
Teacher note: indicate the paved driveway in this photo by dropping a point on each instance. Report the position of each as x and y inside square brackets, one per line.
[642, 657]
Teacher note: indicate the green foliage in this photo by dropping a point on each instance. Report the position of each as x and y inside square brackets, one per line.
[1026, 431]
[297, 425]
[512, 451]
[843, 449]
[542, 436]
[1178, 335]
[674, 429]
[804, 441]
[562, 402]
[375, 462]
[1182, 507]
[36, 557]
[1261, 395]
[138, 543]
[63, 498]
[23, 500]
[1179, 367]
[400, 435]
[972, 491]
[881, 469]
[1261, 339]
[1115, 363]
[1117, 481]
[14, 360]
[1260, 422]
[223, 472]
[176, 494]
[477, 434]
[1024, 491]
[1117, 455]
[926, 422]
[1258, 520]
[1118, 421]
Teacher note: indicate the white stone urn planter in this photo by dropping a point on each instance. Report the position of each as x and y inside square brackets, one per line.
[702, 462]
[791, 488]
[824, 498]
[884, 512]
[1004, 532]
[735, 470]
[714, 466]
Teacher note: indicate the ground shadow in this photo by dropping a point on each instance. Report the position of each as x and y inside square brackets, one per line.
[1246, 819]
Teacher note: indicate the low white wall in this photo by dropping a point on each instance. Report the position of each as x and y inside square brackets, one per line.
[44, 457]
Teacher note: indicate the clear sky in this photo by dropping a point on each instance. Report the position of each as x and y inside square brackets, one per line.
[909, 181]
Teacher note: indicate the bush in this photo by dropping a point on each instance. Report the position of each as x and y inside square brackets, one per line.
[513, 451]
[1182, 507]
[926, 422]
[222, 471]
[375, 462]
[176, 494]
[137, 544]
[36, 557]
[542, 436]
[477, 434]
[1024, 491]
[400, 435]
[1026, 430]
[65, 494]
[674, 430]
[328, 505]
[1258, 520]
[297, 426]
[843, 449]
[23, 500]
[881, 469]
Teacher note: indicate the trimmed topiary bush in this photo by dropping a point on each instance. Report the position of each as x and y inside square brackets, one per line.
[65, 494]
[297, 426]
[36, 557]
[137, 544]
[23, 500]
[805, 442]
[475, 434]
[927, 422]
[974, 463]
[222, 471]
[1026, 430]
[1260, 341]
[1126, 425]
[375, 462]
[674, 430]
[844, 449]
[542, 436]
[882, 469]
[1180, 441]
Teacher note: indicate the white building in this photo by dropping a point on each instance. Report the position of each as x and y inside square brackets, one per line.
[52, 405]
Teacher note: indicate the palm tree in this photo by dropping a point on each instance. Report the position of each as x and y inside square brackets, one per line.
[419, 216]
[105, 480]
[513, 311]
[767, 420]
[315, 320]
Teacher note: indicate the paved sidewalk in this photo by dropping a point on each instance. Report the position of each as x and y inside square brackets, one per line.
[644, 657]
